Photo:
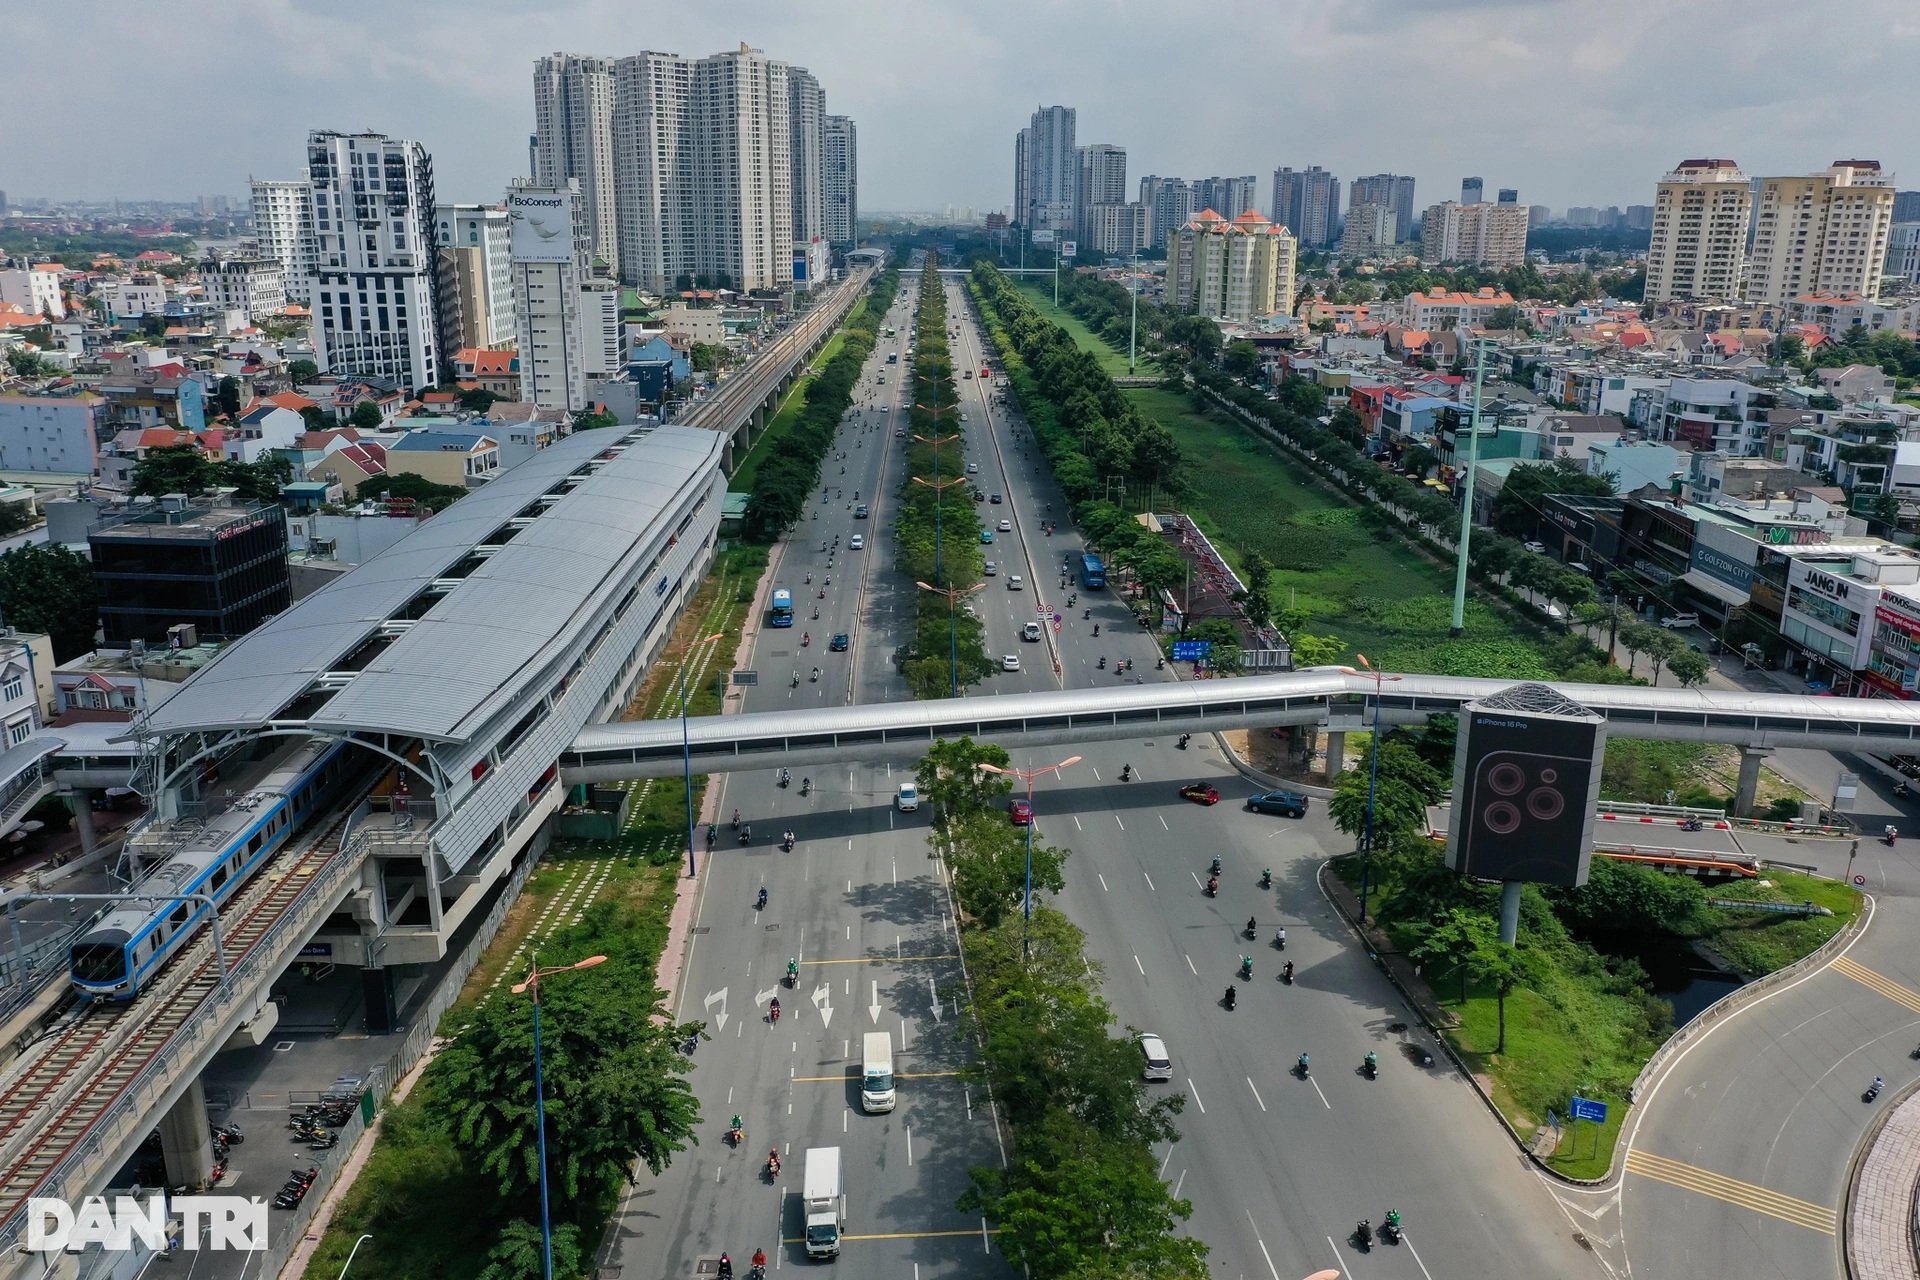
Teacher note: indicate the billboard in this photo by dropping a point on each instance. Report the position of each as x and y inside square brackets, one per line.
[1069, 248]
[542, 222]
[1526, 777]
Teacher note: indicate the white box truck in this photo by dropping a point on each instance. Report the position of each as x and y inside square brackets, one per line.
[826, 1202]
[876, 1072]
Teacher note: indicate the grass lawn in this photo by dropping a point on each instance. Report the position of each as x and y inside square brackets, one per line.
[741, 481]
[1757, 942]
[1352, 579]
[1112, 362]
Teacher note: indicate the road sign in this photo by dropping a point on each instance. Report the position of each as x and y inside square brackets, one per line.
[1588, 1109]
[1192, 650]
[1859, 881]
[746, 677]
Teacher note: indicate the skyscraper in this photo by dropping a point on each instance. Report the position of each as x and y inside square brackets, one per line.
[550, 243]
[1238, 270]
[1906, 206]
[283, 224]
[1169, 203]
[1389, 189]
[477, 267]
[654, 179]
[1826, 232]
[1471, 189]
[1307, 202]
[1102, 180]
[1053, 170]
[573, 98]
[1700, 216]
[841, 179]
[1509, 195]
[376, 272]
[1023, 178]
[1492, 235]
[806, 115]
[1228, 197]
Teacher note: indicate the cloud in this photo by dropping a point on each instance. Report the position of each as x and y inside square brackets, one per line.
[1568, 101]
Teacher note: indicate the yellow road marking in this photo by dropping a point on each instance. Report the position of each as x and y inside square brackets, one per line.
[855, 1071]
[1801, 1213]
[883, 959]
[1886, 986]
[902, 1235]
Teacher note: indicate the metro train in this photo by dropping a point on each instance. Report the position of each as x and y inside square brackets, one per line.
[128, 945]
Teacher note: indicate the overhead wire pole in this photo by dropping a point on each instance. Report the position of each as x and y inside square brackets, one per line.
[686, 744]
[1373, 781]
[532, 983]
[1028, 775]
[1459, 626]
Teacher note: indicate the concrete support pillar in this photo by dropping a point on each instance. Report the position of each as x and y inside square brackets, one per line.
[1336, 754]
[83, 819]
[1749, 787]
[186, 1144]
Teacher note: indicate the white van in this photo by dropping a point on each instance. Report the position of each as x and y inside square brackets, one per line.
[909, 798]
[1154, 1050]
[876, 1072]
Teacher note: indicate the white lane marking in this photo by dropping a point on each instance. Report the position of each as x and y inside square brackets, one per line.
[986, 1240]
[1136, 964]
[1076, 823]
[1122, 825]
[1190, 969]
[1149, 880]
[1179, 1183]
[1196, 1096]
[1163, 823]
[1273, 1270]
[1316, 1089]
[910, 1156]
[1165, 1160]
[1256, 1093]
[1416, 1256]
[1103, 883]
[843, 1121]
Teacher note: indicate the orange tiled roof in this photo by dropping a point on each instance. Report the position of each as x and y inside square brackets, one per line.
[292, 400]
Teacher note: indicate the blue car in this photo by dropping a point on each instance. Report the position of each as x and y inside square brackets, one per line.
[1289, 804]
[986, 535]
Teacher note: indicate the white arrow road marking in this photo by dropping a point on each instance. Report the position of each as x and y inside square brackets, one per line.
[720, 998]
[820, 994]
[934, 992]
[873, 1005]
[763, 997]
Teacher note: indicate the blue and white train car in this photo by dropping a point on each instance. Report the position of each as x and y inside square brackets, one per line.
[130, 944]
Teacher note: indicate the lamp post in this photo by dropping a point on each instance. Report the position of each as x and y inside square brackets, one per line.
[349, 1262]
[953, 628]
[532, 984]
[1373, 780]
[1133, 308]
[1028, 775]
[686, 746]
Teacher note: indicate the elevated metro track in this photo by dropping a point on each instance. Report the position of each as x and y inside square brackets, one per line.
[1328, 697]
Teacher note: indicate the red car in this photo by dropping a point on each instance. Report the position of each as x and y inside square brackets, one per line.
[1021, 812]
[1200, 793]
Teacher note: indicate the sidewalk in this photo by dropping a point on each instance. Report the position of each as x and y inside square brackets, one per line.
[1880, 1203]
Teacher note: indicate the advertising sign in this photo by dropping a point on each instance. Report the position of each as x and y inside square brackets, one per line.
[542, 221]
[1068, 248]
[1525, 784]
[1192, 650]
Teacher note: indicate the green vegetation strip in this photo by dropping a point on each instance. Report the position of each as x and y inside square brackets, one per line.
[792, 406]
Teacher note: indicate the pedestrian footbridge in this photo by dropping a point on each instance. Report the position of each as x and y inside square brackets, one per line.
[1334, 699]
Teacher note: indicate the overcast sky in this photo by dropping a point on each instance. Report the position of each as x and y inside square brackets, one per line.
[1571, 101]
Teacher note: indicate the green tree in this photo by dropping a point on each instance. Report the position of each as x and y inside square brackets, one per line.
[989, 858]
[1315, 651]
[1638, 638]
[1516, 511]
[1625, 897]
[1449, 942]
[1689, 667]
[1661, 646]
[1258, 574]
[706, 357]
[228, 396]
[314, 418]
[174, 468]
[590, 419]
[259, 481]
[302, 373]
[520, 1252]
[406, 485]
[1397, 806]
[25, 362]
[366, 416]
[50, 589]
[1241, 359]
[950, 778]
[477, 399]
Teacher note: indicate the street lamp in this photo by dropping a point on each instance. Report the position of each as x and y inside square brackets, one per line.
[1026, 936]
[1373, 780]
[953, 627]
[349, 1262]
[686, 746]
[532, 983]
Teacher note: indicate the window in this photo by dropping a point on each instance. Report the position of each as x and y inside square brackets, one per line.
[14, 689]
[17, 732]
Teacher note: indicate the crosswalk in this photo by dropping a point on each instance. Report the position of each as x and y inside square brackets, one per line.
[1746, 1195]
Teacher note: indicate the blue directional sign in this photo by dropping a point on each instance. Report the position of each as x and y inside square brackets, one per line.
[1192, 650]
[1588, 1109]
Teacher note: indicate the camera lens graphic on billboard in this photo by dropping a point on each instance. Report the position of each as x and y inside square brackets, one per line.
[1526, 779]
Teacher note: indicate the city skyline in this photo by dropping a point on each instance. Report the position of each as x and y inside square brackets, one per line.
[457, 80]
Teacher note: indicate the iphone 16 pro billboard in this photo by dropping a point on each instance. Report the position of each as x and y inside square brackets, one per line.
[1524, 788]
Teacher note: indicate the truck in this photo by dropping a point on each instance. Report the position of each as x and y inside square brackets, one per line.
[826, 1202]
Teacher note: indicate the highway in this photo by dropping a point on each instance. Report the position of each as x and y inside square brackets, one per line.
[1279, 1169]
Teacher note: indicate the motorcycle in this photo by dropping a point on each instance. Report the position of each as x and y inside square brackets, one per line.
[1249, 928]
[746, 835]
[1126, 773]
[773, 1167]
[763, 901]
[785, 777]
[815, 677]
[1691, 824]
[1280, 939]
[231, 1132]
[1096, 628]
[1363, 1236]
[806, 786]
[1213, 885]
[1266, 878]
[796, 680]
[793, 975]
[1286, 973]
[1873, 1090]
[1185, 738]
[1246, 968]
[1233, 997]
[1159, 664]
[1371, 1066]
[773, 1011]
[1103, 662]
[1390, 1227]
[1890, 836]
[806, 638]
[1300, 1067]
[736, 1134]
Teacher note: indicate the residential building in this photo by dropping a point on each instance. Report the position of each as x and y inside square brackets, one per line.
[1701, 210]
[48, 435]
[1471, 190]
[462, 459]
[221, 570]
[600, 343]
[34, 291]
[812, 263]
[1119, 229]
[1639, 217]
[549, 246]
[283, 229]
[1438, 309]
[1825, 232]
[1509, 195]
[742, 152]
[1906, 206]
[376, 271]
[136, 297]
[1369, 230]
[490, 370]
[1539, 215]
[1169, 204]
[256, 286]
[1238, 270]
[1903, 250]
[655, 181]
[573, 105]
[1634, 464]
[1228, 197]
[1850, 384]
[1571, 436]
[475, 245]
[1307, 202]
[1837, 313]
[840, 179]
[806, 149]
[1052, 171]
[1102, 181]
[1492, 235]
[1709, 415]
[163, 395]
[1023, 177]
[1390, 189]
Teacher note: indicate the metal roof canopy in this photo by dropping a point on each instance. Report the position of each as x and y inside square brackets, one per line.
[482, 640]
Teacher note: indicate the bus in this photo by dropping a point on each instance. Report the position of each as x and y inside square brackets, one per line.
[782, 611]
[1093, 574]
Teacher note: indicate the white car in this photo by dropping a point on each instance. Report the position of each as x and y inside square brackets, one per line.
[1015, 583]
[1676, 621]
[1006, 526]
[1010, 663]
[1158, 1065]
[1030, 632]
[973, 468]
[1538, 548]
[908, 798]
[857, 543]
[991, 568]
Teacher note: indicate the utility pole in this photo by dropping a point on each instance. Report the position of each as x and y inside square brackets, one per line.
[1466, 497]
[1133, 317]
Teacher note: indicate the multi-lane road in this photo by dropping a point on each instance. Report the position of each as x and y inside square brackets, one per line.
[1278, 1168]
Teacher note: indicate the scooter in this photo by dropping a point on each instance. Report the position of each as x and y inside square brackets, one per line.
[746, 835]
[1126, 773]
[1873, 1090]
[806, 638]
[1213, 886]
[1232, 997]
[1363, 1236]
[762, 906]
[1103, 667]
[1266, 878]
[1691, 824]
[1185, 738]
[1370, 1065]
[785, 778]
[1890, 836]
[1159, 664]
[1286, 973]
[1246, 968]
[806, 786]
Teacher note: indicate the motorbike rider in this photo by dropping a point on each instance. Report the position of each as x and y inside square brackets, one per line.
[774, 1008]
[1877, 1085]
[763, 897]
[773, 1166]
[1246, 966]
[760, 1255]
[1286, 972]
[1303, 1064]
[736, 1128]
[1232, 996]
[1126, 773]
[793, 970]
[1280, 937]
[1213, 884]
[726, 1268]
[1391, 1222]
[1372, 1062]
[1249, 926]
[1216, 864]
